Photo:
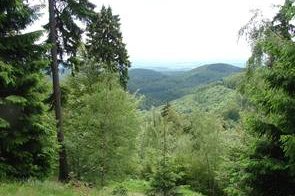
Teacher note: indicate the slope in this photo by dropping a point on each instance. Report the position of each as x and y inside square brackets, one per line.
[158, 87]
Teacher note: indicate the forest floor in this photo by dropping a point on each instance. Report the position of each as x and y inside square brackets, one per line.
[53, 188]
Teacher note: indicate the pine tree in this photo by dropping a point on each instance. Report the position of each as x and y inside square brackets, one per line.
[270, 88]
[65, 37]
[105, 45]
[26, 144]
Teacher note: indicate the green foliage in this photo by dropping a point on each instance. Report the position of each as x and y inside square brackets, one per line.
[27, 143]
[135, 185]
[12, 10]
[270, 88]
[101, 127]
[159, 88]
[195, 143]
[214, 98]
[6, 74]
[193, 149]
[38, 188]
[200, 151]
[120, 191]
[69, 39]
[234, 81]
[230, 173]
[164, 181]
[105, 45]
[4, 123]
[185, 190]
[158, 139]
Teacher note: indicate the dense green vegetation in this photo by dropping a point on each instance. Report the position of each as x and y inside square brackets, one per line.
[159, 87]
[103, 131]
[272, 96]
[105, 46]
[37, 188]
[27, 141]
[216, 130]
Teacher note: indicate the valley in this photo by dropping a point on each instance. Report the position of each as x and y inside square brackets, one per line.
[85, 110]
[159, 88]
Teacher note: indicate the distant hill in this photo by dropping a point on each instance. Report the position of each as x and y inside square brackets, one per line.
[141, 75]
[218, 67]
[158, 87]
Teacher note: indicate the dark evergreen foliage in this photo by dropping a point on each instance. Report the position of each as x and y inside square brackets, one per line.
[26, 142]
[270, 87]
[164, 182]
[68, 31]
[105, 44]
[197, 142]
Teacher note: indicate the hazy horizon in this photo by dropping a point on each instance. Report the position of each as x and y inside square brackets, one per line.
[181, 65]
[183, 33]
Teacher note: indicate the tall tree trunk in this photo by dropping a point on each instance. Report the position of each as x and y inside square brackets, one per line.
[63, 169]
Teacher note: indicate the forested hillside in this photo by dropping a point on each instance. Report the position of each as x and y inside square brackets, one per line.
[160, 87]
[216, 130]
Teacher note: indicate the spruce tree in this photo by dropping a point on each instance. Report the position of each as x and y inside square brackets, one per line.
[26, 144]
[105, 45]
[67, 15]
[65, 37]
[270, 88]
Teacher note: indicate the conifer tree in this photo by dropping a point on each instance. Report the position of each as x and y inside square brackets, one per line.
[65, 37]
[69, 32]
[26, 144]
[270, 88]
[105, 45]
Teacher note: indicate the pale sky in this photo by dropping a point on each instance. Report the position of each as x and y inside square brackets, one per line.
[185, 30]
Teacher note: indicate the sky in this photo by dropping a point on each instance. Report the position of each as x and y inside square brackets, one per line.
[186, 30]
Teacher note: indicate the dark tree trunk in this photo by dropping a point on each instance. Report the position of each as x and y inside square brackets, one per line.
[63, 169]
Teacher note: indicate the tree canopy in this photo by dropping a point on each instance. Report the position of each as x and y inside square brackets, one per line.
[270, 88]
[105, 44]
[26, 139]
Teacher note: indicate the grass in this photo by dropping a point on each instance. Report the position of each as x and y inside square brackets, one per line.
[139, 186]
[187, 192]
[53, 188]
[48, 188]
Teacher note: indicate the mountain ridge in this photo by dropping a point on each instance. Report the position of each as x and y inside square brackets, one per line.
[158, 87]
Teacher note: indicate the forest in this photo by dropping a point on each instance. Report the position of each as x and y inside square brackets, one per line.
[162, 87]
[76, 119]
